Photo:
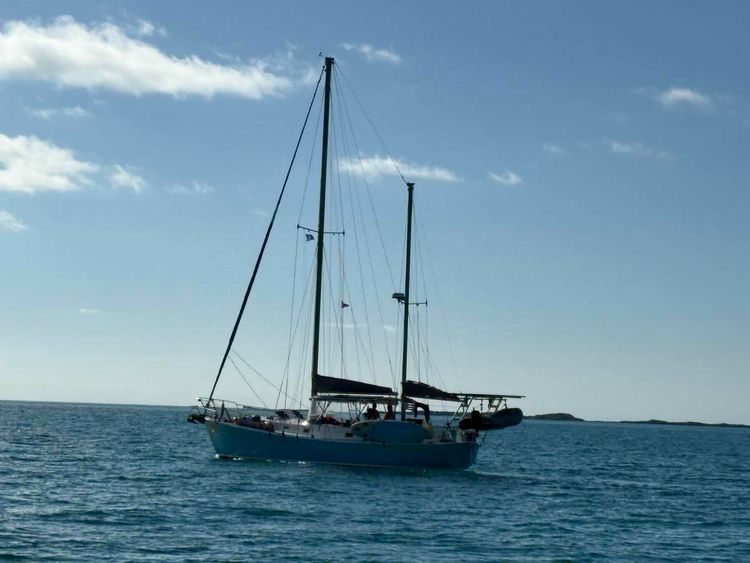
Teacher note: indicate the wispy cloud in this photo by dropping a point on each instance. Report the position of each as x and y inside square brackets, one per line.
[553, 149]
[123, 178]
[49, 113]
[507, 178]
[192, 188]
[637, 149]
[373, 54]
[89, 311]
[30, 165]
[375, 167]
[68, 53]
[10, 223]
[146, 28]
[683, 96]
[346, 326]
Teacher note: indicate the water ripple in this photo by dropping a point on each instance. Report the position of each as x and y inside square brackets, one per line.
[117, 483]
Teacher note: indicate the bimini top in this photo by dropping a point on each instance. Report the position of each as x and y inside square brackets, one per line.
[420, 390]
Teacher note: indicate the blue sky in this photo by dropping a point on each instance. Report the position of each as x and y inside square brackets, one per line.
[582, 180]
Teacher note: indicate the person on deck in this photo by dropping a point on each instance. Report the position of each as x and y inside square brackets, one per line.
[372, 412]
[389, 414]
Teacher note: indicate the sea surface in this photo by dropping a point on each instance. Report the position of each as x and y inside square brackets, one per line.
[131, 483]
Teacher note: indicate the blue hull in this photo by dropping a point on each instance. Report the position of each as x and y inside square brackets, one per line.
[231, 440]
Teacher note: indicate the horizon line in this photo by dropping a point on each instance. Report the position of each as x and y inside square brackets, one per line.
[647, 421]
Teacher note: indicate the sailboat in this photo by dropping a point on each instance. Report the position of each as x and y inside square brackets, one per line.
[402, 437]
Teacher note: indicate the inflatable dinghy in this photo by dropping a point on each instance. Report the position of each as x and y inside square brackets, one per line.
[503, 418]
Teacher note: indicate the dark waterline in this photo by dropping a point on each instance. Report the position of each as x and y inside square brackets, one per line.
[116, 483]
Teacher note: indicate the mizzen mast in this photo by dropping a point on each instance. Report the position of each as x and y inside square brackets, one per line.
[404, 355]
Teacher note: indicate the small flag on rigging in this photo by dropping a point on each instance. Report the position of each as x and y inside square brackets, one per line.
[309, 237]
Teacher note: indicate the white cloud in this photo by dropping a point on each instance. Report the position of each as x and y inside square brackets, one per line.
[122, 178]
[30, 165]
[507, 178]
[193, 188]
[49, 113]
[375, 167]
[552, 149]
[637, 149]
[373, 54]
[683, 96]
[347, 326]
[103, 56]
[145, 28]
[10, 223]
[89, 311]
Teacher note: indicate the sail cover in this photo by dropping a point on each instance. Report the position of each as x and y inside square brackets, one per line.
[326, 384]
[424, 391]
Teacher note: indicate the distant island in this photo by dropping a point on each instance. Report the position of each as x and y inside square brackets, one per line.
[690, 423]
[566, 417]
[556, 416]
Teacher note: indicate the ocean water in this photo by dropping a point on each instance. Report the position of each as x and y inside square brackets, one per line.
[129, 483]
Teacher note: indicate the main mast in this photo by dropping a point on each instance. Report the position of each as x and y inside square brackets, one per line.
[321, 228]
[404, 356]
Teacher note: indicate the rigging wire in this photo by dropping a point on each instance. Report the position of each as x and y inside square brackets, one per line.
[421, 279]
[244, 361]
[435, 283]
[353, 188]
[310, 161]
[367, 186]
[301, 360]
[355, 228]
[329, 341]
[296, 326]
[422, 289]
[375, 129]
[352, 181]
[292, 325]
[337, 205]
[265, 243]
[242, 375]
[285, 376]
[304, 349]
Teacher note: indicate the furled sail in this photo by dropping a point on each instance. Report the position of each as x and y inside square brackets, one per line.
[327, 384]
[423, 391]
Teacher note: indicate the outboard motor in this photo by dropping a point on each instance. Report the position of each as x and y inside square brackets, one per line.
[476, 420]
